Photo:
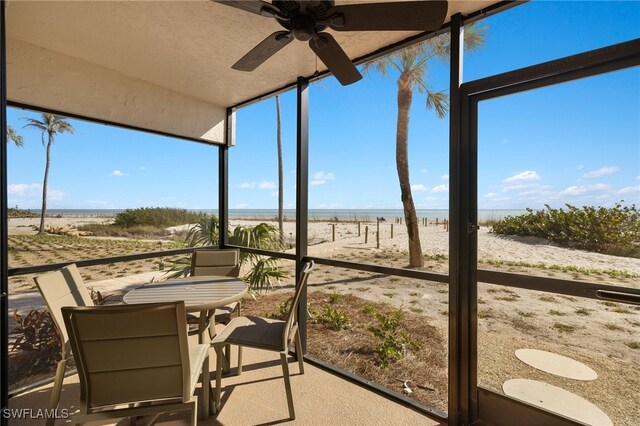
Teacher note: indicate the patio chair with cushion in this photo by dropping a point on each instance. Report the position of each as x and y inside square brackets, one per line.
[267, 334]
[134, 360]
[218, 262]
[63, 287]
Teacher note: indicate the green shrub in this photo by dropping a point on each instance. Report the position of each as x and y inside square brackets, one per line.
[393, 343]
[335, 298]
[161, 217]
[334, 318]
[102, 230]
[613, 230]
[282, 309]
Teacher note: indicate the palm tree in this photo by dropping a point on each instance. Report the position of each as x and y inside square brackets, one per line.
[14, 137]
[50, 125]
[280, 176]
[263, 272]
[412, 64]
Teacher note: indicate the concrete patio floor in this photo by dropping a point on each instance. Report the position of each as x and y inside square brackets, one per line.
[257, 397]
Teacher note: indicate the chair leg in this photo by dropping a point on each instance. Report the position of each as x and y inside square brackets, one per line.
[206, 383]
[57, 389]
[227, 354]
[287, 385]
[194, 412]
[299, 354]
[219, 356]
[239, 360]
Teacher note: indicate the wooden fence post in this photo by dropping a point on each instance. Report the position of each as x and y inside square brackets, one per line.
[358, 229]
[392, 230]
[366, 234]
[377, 234]
[333, 232]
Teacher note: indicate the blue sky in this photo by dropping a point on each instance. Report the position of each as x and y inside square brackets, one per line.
[574, 143]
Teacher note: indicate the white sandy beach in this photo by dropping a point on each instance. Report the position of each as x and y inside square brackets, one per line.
[435, 240]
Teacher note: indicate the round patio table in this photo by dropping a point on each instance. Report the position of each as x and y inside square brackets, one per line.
[200, 294]
[203, 293]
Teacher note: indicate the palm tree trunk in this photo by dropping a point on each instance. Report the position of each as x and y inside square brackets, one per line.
[280, 176]
[405, 97]
[44, 184]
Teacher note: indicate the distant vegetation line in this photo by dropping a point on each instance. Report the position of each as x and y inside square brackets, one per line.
[614, 230]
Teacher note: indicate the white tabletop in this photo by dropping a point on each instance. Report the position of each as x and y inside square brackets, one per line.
[198, 293]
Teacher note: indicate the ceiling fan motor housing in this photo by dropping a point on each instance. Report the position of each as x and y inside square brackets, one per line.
[301, 18]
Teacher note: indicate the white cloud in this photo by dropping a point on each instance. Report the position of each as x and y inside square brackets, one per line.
[142, 168]
[424, 171]
[445, 177]
[247, 185]
[637, 177]
[579, 190]
[419, 188]
[118, 173]
[630, 189]
[242, 206]
[266, 185]
[526, 180]
[526, 176]
[580, 167]
[320, 178]
[24, 189]
[441, 188]
[492, 196]
[604, 171]
[97, 202]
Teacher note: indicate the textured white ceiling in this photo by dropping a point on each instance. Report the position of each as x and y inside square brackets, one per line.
[184, 47]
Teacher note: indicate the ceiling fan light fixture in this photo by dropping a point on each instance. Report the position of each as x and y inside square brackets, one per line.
[303, 27]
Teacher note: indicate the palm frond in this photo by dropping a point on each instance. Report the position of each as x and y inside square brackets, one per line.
[264, 274]
[204, 233]
[50, 124]
[179, 268]
[438, 101]
[13, 136]
[474, 36]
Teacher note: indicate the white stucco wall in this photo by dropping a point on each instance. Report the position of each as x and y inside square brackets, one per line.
[50, 80]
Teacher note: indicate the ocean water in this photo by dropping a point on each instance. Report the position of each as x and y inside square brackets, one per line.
[314, 214]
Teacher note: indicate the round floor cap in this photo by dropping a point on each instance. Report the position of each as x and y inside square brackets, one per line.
[557, 400]
[556, 364]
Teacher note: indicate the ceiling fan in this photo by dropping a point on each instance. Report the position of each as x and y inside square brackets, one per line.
[306, 21]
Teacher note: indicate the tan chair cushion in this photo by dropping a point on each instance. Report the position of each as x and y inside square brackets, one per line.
[254, 332]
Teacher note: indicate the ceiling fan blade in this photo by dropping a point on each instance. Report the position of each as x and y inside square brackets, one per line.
[332, 55]
[263, 51]
[254, 6]
[395, 16]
